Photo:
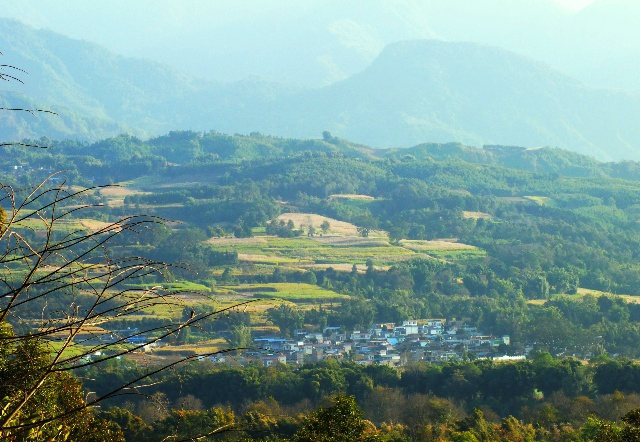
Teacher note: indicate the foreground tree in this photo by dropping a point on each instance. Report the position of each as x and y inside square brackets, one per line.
[21, 366]
[340, 422]
[62, 287]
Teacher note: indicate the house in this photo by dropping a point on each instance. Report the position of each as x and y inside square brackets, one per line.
[328, 331]
[435, 322]
[392, 360]
[271, 359]
[410, 327]
[272, 344]
[293, 345]
[357, 335]
[136, 340]
[294, 357]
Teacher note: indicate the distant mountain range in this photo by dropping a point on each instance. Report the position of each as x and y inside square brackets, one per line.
[414, 92]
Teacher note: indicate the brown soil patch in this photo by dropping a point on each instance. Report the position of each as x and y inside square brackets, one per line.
[344, 267]
[227, 240]
[476, 215]
[95, 225]
[341, 228]
[304, 220]
[350, 241]
[351, 196]
[121, 191]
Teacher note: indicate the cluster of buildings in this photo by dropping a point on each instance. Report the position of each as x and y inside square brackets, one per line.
[429, 340]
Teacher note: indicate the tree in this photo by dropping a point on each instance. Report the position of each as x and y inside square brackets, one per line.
[59, 288]
[363, 231]
[239, 336]
[62, 287]
[242, 230]
[354, 313]
[286, 318]
[325, 226]
[340, 422]
[396, 234]
[550, 329]
[3, 219]
[21, 365]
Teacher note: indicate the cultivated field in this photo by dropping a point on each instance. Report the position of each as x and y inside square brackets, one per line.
[448, 250]
[476, 215]
[305, 220]
[305, 251]
[288, 291]
[351, 196]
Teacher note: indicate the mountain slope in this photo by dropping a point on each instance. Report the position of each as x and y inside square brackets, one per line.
[98, 93]
[438, 91]
[414, 92]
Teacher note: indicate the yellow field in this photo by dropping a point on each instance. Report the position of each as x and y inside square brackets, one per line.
[345, 267]
[351, 196]
[423, 246]
[229, 241]
[631, 299]
[304, 220]
[475, 215]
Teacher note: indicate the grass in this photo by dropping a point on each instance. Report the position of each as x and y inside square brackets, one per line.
[71, 351]
[631, 299]
[476, 215]
[177, 286]
[78, 349]
[458, 255]
[268, 259]
[351, 196]
[446, 250]
[207, 346]
[540, 200]
[61, 225]
[186, 286]
[289, 291]
[305, 250]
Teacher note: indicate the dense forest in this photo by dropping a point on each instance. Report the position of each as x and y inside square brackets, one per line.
[557, 239]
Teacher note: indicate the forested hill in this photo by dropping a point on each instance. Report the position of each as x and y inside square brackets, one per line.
[415, 91]
[581, 219]
[538, 160]
[190, 148]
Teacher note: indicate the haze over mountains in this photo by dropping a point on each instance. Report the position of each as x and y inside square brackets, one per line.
[414, 91]
[315, 42]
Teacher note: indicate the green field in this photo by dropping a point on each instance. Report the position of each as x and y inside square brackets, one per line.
[541, 200]
[446, 250]
[304, 250]
[288, 291]
[63, 226]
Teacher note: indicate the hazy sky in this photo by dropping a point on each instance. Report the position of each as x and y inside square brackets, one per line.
[317, 42]
[574, 4]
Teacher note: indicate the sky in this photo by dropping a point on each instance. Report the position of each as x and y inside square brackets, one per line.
[574, 4]
[318, 42]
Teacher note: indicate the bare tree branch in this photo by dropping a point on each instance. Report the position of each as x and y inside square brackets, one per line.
[70, 263]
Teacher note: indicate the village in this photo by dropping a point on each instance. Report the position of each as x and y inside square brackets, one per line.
[428, 340]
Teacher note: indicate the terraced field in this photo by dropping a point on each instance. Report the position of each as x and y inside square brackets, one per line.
[304, 251]
[288, 291]
[449, 250]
